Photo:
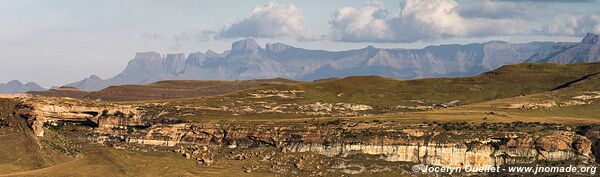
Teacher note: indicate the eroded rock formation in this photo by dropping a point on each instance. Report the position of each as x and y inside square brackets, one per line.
[440, 144]
[454, 148]
[103, 115]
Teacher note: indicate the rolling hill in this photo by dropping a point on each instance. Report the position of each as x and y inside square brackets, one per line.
[170, 89]
[467, 115]
[505, 82]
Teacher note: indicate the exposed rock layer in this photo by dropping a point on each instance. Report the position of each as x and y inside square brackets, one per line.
[455, 148]
[441, 144]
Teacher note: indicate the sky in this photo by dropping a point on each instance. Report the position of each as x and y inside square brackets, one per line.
[55, 42]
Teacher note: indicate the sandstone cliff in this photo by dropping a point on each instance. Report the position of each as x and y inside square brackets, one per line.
[137, 126]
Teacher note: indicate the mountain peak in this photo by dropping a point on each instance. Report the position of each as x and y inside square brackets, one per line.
[590, 38]
[33, 85]
[569, 53]
[277, 47]
[14, 82]
[496, 42]
[16, 86]
[94, 77]
[211, 53]
[175, 55]
[150, 54]
[370, 48]
[246, 45]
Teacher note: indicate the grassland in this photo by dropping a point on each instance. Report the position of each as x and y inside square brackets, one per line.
[22, 154]
[508, 81]
[100, 161]
[484, 98]
[20, 150]
[171, 89]
[475, 98]
[484, 92]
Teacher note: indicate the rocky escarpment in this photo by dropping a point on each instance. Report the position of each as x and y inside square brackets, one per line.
[248, 60]
[40, 111]
[593, 133]
[144, 127]
[451, 145]
[588, 50]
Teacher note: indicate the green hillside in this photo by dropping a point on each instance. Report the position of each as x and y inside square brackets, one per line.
[507, 81]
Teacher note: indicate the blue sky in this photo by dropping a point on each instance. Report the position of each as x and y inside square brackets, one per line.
[61, 41]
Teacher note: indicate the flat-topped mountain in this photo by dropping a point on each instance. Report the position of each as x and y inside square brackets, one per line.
[247, 60]
[588, 50]
[16, 86]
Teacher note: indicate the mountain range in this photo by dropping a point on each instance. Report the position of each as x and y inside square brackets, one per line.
[247, 60]
[588, 50]
[16, 86]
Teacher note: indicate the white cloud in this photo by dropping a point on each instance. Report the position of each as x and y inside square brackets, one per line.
[370, 22]
[573, 25]
[269, 21]
[417, 20]
[503, 9]
[550, 1]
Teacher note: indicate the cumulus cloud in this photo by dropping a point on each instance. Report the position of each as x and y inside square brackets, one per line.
[549, 1]
[417, 20]
[370, 22]
[269, 21]
[574, 25]
[502, 9]
[435, 19]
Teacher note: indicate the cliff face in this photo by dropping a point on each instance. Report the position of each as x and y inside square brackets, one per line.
[440, 144]
[48, 110]
[405, 143]
[248, 60]
[588, 50]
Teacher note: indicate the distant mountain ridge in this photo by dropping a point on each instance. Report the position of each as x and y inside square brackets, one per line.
[16, 86]
[247, 60]
[588, 50]
[504, 82]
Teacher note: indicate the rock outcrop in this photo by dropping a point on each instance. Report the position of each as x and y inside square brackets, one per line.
[102, 115]
[475, 146]
[458, 144]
